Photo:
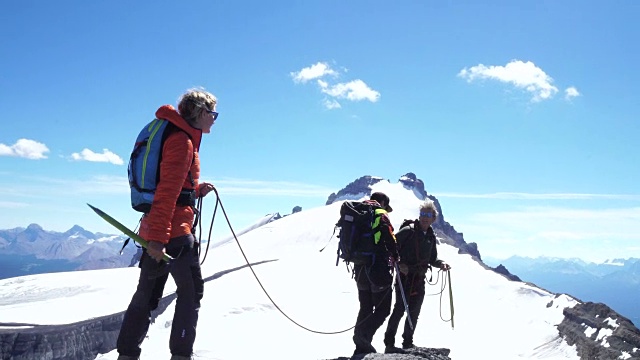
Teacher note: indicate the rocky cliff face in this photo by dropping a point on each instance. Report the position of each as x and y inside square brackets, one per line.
[598, 332]
[79, 341]
[358, 188]
[451, 236]
[500, 269]
[411, 182]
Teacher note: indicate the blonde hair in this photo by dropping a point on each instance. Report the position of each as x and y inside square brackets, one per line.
[429, 205]
[193, 102]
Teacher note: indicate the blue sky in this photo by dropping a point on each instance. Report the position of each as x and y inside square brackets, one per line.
[521, 117]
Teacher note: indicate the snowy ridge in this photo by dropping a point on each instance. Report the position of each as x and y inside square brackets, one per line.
[492, 313]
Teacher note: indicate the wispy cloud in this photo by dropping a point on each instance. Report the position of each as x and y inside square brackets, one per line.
[331, 104]
[591, 234]
[533, 214]
[270, 188]
[571, 92]
[37, 187]
[354, 90]
[95, 185]
[12, 205]
[106, 184]
[522, 75]
[25, 148]
[533, 196]
[105, 156]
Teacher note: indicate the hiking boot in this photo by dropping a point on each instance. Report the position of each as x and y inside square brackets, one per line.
[408, 346]
[393, 350]
[180, 357]
[127, 357]
[363, 346]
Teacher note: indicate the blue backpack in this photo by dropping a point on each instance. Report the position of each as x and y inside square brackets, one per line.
[144, 167]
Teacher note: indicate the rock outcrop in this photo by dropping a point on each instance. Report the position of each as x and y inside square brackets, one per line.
[500, 269]
[598, 332]
[79, 341]
[418, 353]
[358, 188]
[411, 182]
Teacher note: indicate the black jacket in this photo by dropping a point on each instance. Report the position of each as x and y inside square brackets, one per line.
[418, 251]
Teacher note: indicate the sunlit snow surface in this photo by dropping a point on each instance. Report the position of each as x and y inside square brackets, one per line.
[494, 318]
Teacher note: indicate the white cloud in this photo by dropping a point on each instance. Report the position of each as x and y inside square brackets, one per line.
[571, 92]
[312, 72]
[25, 148]
[523, 75]
[106, 156]
[354, 90]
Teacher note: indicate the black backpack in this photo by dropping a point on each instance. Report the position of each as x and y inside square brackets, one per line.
[356, 243]
[408, 222]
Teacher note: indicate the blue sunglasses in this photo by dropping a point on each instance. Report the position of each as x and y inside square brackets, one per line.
[428, 214]
[215, 114]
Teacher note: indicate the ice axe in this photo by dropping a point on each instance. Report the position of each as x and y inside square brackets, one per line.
[125, 230]
[404, 298]
[450, 297]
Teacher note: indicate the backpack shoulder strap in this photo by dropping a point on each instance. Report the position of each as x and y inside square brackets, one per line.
[408, 222]
[172, 128]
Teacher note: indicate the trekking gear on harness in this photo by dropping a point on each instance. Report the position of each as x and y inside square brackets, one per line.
[359, 233]
[144, 167]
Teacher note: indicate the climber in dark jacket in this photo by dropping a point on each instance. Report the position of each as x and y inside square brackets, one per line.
[375, 277]
[418, 252]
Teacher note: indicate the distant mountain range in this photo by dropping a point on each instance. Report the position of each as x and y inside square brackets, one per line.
[614, 282]
[33, 250]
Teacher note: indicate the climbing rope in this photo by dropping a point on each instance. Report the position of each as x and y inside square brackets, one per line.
[445, 280]
[224, 212]
[199, 212]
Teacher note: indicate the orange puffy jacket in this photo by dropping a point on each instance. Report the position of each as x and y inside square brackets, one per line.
[166, 220]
